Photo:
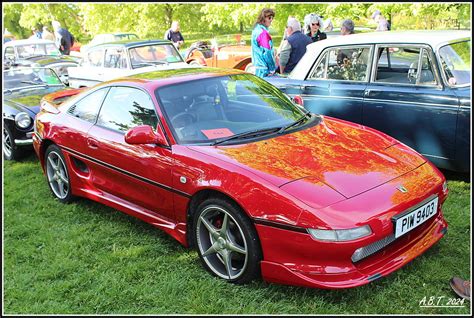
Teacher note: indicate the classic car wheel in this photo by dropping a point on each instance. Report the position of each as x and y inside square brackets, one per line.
[10, 150]
[227, 242]
[57, 174]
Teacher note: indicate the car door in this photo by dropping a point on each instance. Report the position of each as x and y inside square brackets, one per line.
[137, 176]
[336, 84]
[407, 100]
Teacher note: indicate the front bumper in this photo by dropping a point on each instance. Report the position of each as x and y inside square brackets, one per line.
[294, 258]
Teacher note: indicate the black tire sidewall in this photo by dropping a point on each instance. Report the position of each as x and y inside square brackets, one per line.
[254, 252]
[16, 152]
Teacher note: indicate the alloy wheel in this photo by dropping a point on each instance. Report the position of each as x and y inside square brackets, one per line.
[222, 243]
[57, 175]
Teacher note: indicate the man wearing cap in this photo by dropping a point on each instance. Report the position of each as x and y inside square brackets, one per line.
[294, 47]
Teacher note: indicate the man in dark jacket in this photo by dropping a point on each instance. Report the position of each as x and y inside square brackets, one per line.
[64, 39]
[294, 47]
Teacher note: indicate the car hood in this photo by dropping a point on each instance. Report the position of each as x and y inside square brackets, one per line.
[336, 158]
[28, 99]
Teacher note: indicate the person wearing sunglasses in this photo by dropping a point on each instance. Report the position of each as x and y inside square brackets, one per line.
[313, 27]
[263, 57]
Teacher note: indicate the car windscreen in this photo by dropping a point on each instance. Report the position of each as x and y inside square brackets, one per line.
[154, 54]
[456, 63]
[208, 110]
[28, 50]
[27, 77]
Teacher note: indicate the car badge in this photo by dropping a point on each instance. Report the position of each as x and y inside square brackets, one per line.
[402, 189]
[182, 179]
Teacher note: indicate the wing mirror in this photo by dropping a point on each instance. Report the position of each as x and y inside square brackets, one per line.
[142, 135]
[298, 100]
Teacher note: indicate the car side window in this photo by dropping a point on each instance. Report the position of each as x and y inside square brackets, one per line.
[88, 107]
[115, 58]
[343, 63]
[125, 108]
[9, 53]
[94, 57]
[401, 65]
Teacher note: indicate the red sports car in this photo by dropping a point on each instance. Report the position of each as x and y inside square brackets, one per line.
[223, 161]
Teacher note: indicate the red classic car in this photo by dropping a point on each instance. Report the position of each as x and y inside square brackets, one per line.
[238, 55]
[223, 161]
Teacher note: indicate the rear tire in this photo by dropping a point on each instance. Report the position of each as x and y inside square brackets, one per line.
[57, 174]
[227, 241]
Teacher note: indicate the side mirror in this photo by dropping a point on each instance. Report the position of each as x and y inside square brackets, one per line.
[298, 100]
[142, 135]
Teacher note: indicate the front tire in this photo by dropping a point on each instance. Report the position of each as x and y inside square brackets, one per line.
[226, 241]
[58, 174]
[10, 150]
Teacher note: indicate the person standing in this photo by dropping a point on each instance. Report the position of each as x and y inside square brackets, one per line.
[382, 23]
[36, 34]
[294, 47]
[263, 57]
[47, 35]
[344, 56]
[64, 39]
[174, 35]
[315, 23]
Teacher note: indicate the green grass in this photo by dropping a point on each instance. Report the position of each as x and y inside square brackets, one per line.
[85, 258]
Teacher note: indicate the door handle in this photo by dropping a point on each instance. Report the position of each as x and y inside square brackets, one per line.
[368, 91]
[92, 143]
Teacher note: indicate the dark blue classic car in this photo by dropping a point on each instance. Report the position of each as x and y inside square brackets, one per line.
[23, 89]
[414, 86]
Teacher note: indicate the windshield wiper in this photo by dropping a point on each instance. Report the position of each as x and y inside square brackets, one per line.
[296, 123]
[34, 83]
[248, 134]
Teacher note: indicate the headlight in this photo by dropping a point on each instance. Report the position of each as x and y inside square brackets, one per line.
[340, 235]
[22, 120]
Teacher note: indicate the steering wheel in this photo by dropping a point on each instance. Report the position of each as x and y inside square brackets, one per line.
[186, 117]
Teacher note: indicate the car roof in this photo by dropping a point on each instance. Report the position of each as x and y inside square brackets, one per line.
[28, 41]
[174, 76]
[431, 37]
[116, 33]
[132, 43]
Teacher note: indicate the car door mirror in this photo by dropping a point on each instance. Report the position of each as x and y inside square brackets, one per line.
[298, 100]
[142, 135]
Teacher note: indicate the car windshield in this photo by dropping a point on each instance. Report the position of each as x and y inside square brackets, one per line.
[213, 109]
[28, 50]
[18, 78]
[456, 62]
[153, 55]
[128, 36]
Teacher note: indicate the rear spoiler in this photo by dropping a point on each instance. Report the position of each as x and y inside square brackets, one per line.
[51, 102]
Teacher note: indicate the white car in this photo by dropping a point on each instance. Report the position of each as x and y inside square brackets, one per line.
[16, 50]
[117, 59]
[108, 37]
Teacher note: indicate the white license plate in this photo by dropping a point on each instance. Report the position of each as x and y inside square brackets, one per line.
[410, 220]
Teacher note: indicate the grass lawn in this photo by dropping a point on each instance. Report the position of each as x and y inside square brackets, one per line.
[85, 258]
